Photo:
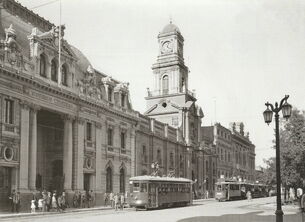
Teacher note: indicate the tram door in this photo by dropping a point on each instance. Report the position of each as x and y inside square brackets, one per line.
[152, 194]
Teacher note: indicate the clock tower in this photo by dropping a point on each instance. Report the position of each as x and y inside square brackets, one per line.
[170, 101]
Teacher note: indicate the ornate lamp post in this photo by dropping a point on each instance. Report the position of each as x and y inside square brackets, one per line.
[286, 110]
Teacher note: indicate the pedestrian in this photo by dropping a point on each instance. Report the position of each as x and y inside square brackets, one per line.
[291, 195]
[87, 199]
[299, 195]
[33, 206]
[122, 201]
[83, 200]
[17, 202]
[207, 194]
[105, 199]
[79, 199]
[116, 201]
[111, 196]
[249, 196]
[92, 198]
[54, 203]
[62, 202]
[75, 198]
[303, 207]
[12, 198]
[44, 197]
[48, 202]
[40, 204]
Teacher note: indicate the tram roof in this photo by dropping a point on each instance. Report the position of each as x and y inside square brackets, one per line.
[157, 178]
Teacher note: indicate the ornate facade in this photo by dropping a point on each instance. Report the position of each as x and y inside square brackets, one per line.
[67, 126]
[64, 126]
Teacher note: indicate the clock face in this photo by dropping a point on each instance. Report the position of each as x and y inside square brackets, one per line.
[167, 47]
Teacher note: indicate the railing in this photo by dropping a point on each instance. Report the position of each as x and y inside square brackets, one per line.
[110, 148]
[9, 128]
[151, 93]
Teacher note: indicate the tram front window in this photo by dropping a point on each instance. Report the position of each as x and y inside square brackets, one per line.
[219, 188]
[136, 187]
[143, 187]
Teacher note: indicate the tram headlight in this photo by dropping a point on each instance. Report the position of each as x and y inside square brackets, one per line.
[138, 201]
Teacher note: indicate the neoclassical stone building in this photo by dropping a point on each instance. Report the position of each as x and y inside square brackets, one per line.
[67, 126]
[74, 131]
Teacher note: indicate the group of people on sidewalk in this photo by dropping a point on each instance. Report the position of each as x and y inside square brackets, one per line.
[14, 198]
[83, 199]
[116, 200]
[48, 201]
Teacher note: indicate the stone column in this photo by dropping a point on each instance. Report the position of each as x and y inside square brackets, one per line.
[33, 147]
[24, 147]
[68, 151]
[98, 157]
[79, 149]
[133, 170]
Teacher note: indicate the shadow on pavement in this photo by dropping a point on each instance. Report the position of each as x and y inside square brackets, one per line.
[249, 217]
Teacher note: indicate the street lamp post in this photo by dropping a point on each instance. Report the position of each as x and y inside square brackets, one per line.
[286, 110]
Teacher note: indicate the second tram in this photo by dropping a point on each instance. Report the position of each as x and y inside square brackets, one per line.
[232, 190]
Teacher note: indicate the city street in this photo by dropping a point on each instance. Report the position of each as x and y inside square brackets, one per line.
[205, 210]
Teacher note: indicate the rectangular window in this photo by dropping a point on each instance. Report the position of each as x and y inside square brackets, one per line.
[9, 111]
[123, 144]
[144, 156]
[110, 136]
[89, 131]
[109, 94]
[175, 121]
[123, 100]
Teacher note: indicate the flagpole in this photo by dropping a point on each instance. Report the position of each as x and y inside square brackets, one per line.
[59, 45]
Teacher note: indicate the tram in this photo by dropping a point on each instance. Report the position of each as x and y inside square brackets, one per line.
[149, 192]
[233, 190]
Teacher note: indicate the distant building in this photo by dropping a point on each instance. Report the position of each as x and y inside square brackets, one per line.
[235, 151]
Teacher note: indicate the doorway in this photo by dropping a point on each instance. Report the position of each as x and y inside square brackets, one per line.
[87, 181]
[5, 186]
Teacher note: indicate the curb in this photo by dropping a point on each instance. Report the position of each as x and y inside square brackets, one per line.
[51, 213]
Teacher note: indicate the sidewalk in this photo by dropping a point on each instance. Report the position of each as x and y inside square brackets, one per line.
[6, 215]
[68, 210]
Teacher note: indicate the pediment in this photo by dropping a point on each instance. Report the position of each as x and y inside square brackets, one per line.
[162, 107]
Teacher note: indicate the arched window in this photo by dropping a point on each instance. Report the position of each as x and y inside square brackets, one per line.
[42, 67]
[109, 180]
[53, 71]
[165, 84]
[122, 181]
[64, 75]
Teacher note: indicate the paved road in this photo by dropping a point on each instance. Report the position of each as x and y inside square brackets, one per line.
[256, 210]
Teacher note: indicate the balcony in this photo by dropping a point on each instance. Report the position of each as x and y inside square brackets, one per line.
[9, 128]
[152, 93]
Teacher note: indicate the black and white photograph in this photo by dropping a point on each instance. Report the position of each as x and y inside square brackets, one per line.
[155, 111]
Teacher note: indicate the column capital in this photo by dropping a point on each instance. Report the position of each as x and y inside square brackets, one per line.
[98, 125]
[34, 108]
[80, 120]
[67, 117]
[25, 104]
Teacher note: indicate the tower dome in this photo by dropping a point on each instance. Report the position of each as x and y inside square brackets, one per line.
[170, 28]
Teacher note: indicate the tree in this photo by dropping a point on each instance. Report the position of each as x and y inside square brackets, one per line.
[292, 150]
[292, 145]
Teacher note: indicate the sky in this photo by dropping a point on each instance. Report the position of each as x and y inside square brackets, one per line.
[240, 53]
